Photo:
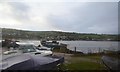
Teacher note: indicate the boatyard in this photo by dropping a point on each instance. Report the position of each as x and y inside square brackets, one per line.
[59, 35]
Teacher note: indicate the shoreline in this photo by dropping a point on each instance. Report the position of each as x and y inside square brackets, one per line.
[65, 40]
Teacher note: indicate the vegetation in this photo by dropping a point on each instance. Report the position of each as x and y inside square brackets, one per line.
[65, 50]
[83, 62]
[55, 35]
[114, 54]
[83, 65]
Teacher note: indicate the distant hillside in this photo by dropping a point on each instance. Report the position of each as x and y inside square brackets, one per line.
[54, 35]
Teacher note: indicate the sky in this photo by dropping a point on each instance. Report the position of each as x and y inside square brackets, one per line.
[69, 16]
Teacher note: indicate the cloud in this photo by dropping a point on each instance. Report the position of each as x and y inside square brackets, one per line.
[87, 17]
[6, 15]
[91, 17]
[20, 10]
[59, 0]
[24, 16]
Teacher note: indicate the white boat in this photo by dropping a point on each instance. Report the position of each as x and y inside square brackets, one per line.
[30, 46]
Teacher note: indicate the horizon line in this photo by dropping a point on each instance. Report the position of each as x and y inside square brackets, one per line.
[61, 31]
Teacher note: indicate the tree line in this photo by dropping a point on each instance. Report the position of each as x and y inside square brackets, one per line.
[56, 35]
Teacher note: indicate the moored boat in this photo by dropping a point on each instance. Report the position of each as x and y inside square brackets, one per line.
[53, 44]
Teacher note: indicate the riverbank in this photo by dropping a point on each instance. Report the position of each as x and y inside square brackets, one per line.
[79, 61]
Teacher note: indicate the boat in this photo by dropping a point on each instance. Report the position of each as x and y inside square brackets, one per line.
[53, 44]
[27, 57]
[30, 62]
[9, 43]
[30, 47]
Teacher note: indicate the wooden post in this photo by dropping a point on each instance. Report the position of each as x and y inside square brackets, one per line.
[99, 50]
[51, 49]
[75, 50]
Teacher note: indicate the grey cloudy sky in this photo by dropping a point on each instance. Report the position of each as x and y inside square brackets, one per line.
[83, 17]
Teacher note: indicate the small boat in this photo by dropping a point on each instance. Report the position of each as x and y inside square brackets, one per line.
[9, 43]
[30, 62]
[53, 44]
[30, 47]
